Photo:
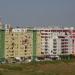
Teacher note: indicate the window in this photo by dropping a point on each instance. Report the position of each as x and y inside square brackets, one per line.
[65, 33]
[54, 52]
[26, 40]
[7, 48]
[54, 46]
[62, 42]
[42, 52]
[54, 49]
[46, 46]
[29, 57]
[26, 36]
[62, 39]
[12, 48]
[66, 42]
[46, 39]
[12, 34]
[51, 51]
[25, 47]
[54, 43]
[66, 39]
[25, 50]
[46, 42]
[11, 54]
[46, 49]
[54, 39]
[46, 52]
[12, 38]
[12, 51]
[6, 41]
[13, 43]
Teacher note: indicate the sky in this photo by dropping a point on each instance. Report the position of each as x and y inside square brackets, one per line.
[38, 12]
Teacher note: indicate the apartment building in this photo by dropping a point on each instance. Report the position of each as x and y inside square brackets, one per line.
[31, 43]
[18, 43]
[54, 42]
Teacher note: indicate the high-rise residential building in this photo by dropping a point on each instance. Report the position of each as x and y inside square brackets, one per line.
[18, 43]
[41, 43]
[53, 42]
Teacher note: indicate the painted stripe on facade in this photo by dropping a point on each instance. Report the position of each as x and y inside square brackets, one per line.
[34, 44]
[2, 44]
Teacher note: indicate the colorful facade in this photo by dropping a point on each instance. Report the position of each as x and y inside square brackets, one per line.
[36, 43]
[18, 43]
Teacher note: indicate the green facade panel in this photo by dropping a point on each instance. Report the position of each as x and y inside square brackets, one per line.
[2, 43]
[34, 44]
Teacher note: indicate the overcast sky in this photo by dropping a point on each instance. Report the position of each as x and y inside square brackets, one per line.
[37, 12]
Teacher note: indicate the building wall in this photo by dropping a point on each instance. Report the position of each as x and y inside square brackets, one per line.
[18, 43]
[2, 45]
[47, 46]
[38, 42]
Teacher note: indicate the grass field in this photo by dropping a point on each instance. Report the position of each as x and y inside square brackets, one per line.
[39, 68]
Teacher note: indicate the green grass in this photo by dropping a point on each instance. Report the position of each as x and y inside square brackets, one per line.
[39, 68]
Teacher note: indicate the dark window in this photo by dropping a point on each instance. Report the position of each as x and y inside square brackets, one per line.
[54, 49]
[66, 39]
[42, 52]
[54, 46]
[25, 47]
[25, 50]
[46, 45]
[12, 34]
[51, 51]
[54, 42]
[46, 49]
[46, 42]
[62, 39]
[54, 39]
[29, 57]
[54, 52]
[65, 33]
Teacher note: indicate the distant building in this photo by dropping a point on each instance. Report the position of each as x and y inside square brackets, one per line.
[33, 43]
